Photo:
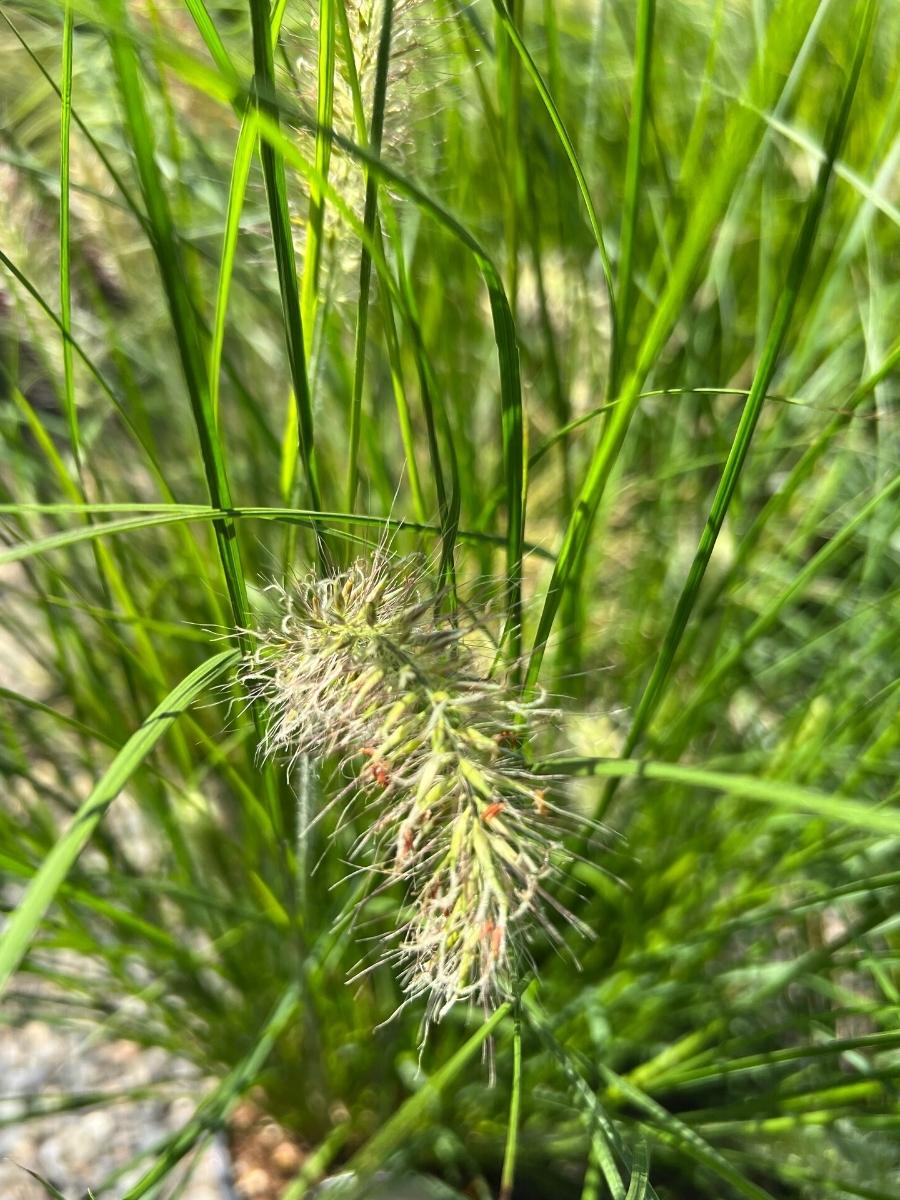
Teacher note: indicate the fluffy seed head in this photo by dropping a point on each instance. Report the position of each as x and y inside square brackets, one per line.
[364, 668]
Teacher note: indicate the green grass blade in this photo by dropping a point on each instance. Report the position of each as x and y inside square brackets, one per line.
[640, 1173]
[606, 1145]
[24, 923]
[509, 103]
[53, 1192]
[240, 173]
[181, 306]
[410, 1115]
[510, 1154]
[132, 426]
[738, 146]
[69, 537]
[207, 29]
[856, 813]
[154, 515]
[213, 1111]
[640, 97]
[121, 186]
[568, 148]
[280, 222]
[685, 1138]
[65, 282]
[324, 120]
[370, 216]
[770, 615]
[317, 1163]
[514, 454]
[315, 223]
[804, 467]
[796, 274]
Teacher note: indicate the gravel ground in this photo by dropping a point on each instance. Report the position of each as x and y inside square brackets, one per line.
[78, 1150]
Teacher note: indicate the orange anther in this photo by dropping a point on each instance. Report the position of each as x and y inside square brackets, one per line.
[380, 773]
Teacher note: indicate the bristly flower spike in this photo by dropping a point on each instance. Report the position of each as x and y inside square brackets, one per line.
[362, 667]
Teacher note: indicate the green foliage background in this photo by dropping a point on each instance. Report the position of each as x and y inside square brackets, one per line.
[594, 300]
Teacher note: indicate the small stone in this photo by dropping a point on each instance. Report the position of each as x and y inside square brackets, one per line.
[287, 1158]
[270, 1135]
[255, 1185]
[244, 1116]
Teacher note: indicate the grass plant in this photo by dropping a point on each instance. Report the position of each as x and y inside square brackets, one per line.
[448, 546]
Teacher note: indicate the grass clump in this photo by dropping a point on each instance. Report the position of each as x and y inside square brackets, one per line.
[594, 302]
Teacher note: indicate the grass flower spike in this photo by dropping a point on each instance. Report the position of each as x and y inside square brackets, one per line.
[363, 668]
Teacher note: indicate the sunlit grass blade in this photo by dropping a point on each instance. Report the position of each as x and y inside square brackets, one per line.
[408, 1117]
[740, 448]
[639, 1182]
[312, 263]
[240, 173]
[210, 34]
[180, 302]
[640, 98]
[370, 216]
[510, 1154]
[25, 921]
[777, 793]
[737, 149]
[65, 287]
[282, 238]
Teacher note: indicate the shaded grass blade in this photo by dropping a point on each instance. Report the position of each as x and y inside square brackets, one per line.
[568, 147]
